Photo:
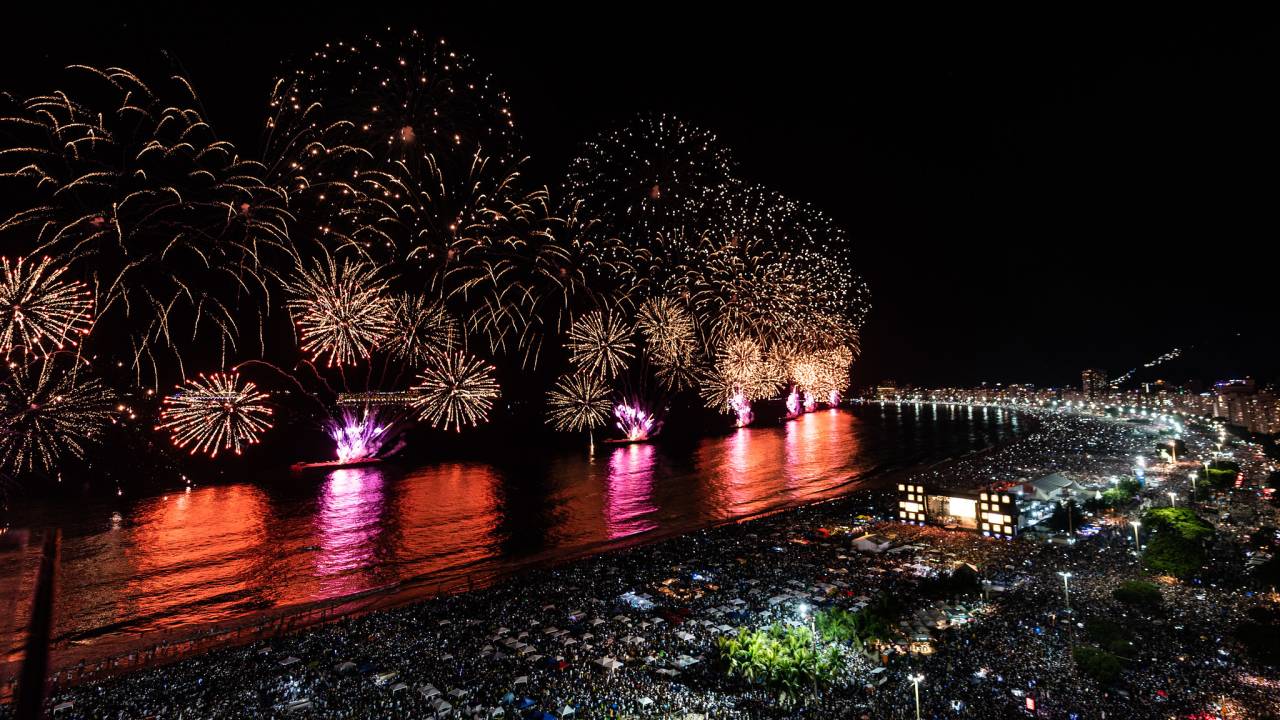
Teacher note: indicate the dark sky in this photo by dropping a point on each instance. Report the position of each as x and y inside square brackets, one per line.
[1027, 196]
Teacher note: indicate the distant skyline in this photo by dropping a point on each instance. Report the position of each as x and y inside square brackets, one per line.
[1026, 199]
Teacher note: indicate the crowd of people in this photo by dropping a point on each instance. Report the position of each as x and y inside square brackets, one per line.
[633, 633]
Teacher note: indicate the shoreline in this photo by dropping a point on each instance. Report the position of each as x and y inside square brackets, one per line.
[165, 648]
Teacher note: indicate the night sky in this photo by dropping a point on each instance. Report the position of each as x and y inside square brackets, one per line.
[1027, 197]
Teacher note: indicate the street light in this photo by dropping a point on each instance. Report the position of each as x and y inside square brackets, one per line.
[1173, 499]
[1066, 587]
[916, 680]
[1136, 541]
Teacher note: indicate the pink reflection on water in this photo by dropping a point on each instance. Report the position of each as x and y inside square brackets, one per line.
[348, 522]
[629, 504]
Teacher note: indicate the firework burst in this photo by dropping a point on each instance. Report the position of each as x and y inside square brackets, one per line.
[130, 189]
[636, 423]
[456, 390]
[578, 402]
[49, 415]
[342, 310]
[362, 435]
[213, 413]
[422, 329]
[600, 343]
[39, 311]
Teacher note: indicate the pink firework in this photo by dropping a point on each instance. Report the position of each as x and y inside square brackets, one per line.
[810, 402]
[793, 403]
[834, 397]
[741, 407]
[635, 422]
[359, 436]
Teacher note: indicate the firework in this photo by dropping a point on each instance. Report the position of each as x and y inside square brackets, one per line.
[793, 403]
[644, 182]
[49, 415]
[456, 390]
[741, 407]
[422, 329]
[600, 343]
[214, 413]
[578, 402]
[742, 374]
[342, 310]
[396, 97]
[361, 435]
[129, 188]
[39, 311]
[668, 329]
[636, 423]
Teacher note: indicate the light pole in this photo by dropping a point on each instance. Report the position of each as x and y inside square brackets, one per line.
[1173, 499]
[1136, 541]
[915, 679]
[1066, 587]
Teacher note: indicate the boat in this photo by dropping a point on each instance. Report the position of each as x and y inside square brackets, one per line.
[301, 468]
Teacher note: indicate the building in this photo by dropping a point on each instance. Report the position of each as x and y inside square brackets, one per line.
[1093, 382]
[994, 514]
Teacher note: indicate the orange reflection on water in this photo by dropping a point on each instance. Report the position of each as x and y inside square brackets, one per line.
[205, 540]
[447, 519]
[628, 505]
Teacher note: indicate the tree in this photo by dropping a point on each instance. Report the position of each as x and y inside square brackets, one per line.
[1178, 546]
[1066, 517]
[1096, 663]
[1138, 593]
[785, 659]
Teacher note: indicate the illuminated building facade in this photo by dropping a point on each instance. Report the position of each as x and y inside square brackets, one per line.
[994, 514]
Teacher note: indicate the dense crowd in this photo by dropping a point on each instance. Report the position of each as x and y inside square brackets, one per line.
[633, 633]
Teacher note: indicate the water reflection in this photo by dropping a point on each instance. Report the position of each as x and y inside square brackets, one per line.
[348, 522]
[227, 552]
[628, 503]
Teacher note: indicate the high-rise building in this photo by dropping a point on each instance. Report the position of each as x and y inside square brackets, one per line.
[1093, 381]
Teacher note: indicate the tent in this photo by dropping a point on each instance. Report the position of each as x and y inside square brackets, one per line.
[440, 707]
[567, 710]
[645, 701]
[524, 703]
[298, 705]
[429, 691]
[398, 687]
[345, 667]
[609, 663]
[522, 680]
[289, 661]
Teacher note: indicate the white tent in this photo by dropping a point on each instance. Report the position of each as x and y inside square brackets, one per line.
[398, 687]
[645, 701]
[608, 663]
[429, 691]
[344, 667]
[687, 637]
[522, 680]
[289, 661]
